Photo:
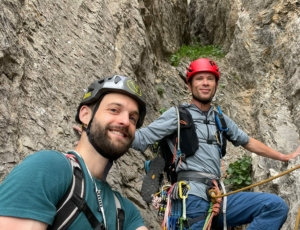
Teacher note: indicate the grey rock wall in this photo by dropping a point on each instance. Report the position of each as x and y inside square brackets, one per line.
[261, 85]
[50, 52]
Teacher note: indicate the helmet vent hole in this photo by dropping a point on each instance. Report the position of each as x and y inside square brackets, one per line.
[117, 79]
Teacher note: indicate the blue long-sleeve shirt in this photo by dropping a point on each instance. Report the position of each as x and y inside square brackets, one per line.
[207, 158]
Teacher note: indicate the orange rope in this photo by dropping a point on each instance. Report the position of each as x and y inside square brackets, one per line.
[216, 204]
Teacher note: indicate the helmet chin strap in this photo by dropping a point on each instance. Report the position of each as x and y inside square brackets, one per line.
[88, 131]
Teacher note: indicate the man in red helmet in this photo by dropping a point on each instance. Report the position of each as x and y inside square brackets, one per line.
[261, 210]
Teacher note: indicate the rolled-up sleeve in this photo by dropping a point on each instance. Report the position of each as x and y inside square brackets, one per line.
[163, 126]
[235, 135]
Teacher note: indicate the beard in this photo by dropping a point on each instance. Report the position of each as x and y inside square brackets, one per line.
[203, 101]
[105, 145]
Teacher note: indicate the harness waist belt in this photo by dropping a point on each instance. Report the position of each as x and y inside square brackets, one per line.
[196, 176]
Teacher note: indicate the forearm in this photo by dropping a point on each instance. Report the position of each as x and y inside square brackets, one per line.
[158, 129]
[11, 223]
[261, 149]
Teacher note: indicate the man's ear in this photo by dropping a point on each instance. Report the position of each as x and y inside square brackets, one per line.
[85, 115]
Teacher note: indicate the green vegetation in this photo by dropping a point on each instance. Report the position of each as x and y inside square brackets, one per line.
[195, 51]
[239, 173]
[155, 147]
[162, 110]
[237, 77]
[160, 91]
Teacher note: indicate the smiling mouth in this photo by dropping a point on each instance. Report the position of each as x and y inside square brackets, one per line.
[118, 133]
[205, 90]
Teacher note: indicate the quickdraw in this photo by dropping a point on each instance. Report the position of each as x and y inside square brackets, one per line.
[171, 205]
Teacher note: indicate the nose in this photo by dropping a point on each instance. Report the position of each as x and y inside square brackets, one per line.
[124, 119]
[205, 81]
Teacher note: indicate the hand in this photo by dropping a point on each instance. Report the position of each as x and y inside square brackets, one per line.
[78, 131]
[297, 152]
[293, 155]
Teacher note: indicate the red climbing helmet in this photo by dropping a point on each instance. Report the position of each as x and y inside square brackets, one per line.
[202, 65]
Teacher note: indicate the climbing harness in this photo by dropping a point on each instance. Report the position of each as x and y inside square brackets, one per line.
[215, 195]
[172, 206]
[172, 203]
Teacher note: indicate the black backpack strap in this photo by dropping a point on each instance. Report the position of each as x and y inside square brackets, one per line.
[222, 134]
[83, 206]
[73, 203]
[67, 211]
[189, 142]
[120, 214]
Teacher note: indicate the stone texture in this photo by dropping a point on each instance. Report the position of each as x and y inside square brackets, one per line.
[50, 52]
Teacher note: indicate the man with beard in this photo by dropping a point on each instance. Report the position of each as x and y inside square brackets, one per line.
[262, 210]
[110, 112]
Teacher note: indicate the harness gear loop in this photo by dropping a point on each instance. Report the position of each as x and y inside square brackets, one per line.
[215, 205]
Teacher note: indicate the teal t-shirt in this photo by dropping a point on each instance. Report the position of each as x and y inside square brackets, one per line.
[35, 186]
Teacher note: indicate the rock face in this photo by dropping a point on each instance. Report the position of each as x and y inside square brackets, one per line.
[50, 52]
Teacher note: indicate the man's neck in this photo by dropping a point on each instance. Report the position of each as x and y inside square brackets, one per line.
[93, 160]
[203, 107]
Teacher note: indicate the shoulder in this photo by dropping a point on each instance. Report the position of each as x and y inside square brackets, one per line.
[46, 168]
[41, 179]
[45, 155]
[170, 112]
[47, 160]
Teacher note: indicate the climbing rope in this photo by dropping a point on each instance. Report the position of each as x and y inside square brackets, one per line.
[254, 185]
[214, 195]
[297, 220]
[215, 205]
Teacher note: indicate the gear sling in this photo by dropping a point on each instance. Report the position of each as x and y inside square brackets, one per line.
[73, 203]
[187, 143]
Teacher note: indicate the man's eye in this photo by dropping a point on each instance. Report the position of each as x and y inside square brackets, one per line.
[114, 110]
[133, 120]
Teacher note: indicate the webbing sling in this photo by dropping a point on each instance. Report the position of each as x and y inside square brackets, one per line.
[73, 203]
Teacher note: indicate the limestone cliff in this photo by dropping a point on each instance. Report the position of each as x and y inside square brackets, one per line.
[51, 50]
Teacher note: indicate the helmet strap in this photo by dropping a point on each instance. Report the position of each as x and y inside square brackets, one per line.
[88, 131]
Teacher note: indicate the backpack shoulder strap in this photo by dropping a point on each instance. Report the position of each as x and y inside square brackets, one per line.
[120, 214]
[222, 127]
[73, 203]
[178, 131]
[220, 121]
[67, 210]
